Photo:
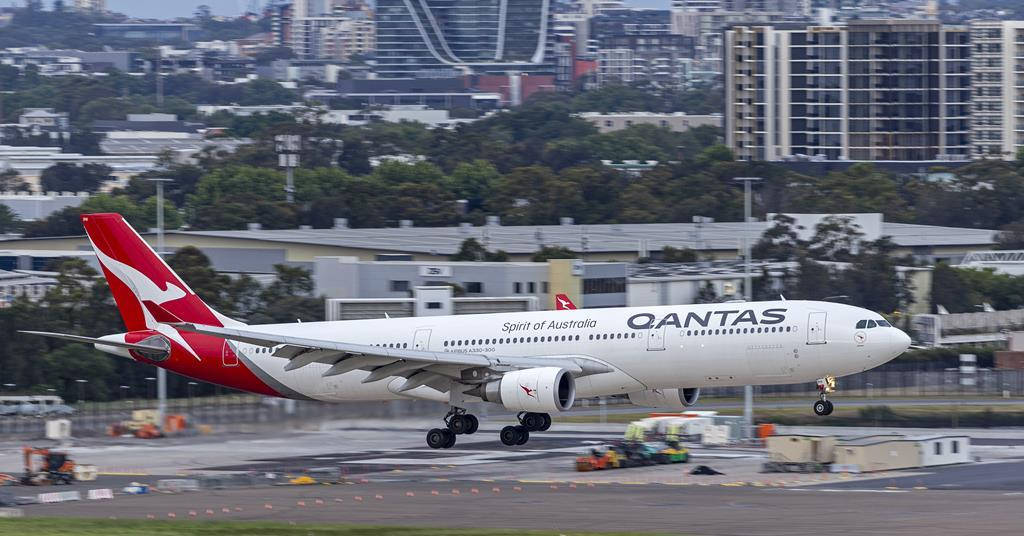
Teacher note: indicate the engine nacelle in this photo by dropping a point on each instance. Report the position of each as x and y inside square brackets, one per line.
[675, 399]
[540, 390]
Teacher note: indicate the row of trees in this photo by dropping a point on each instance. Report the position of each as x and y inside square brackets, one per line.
[81, 303]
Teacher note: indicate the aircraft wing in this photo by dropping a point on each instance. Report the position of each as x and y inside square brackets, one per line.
[419, 367]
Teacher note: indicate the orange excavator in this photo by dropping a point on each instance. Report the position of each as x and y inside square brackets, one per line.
[55, 467]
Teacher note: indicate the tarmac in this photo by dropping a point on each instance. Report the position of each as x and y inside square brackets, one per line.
[380, 472]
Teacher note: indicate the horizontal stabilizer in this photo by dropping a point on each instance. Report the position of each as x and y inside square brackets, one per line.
[91, 340]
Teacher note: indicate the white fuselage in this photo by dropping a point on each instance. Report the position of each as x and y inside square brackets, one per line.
[720, 344]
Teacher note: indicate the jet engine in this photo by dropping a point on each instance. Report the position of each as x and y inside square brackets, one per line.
[676, 399]
[540, 390]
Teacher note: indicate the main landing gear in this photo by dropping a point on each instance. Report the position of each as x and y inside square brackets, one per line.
[528, 422]
[457, 422]
[826, 386]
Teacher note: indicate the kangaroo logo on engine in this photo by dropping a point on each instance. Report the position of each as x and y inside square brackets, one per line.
[729, 318]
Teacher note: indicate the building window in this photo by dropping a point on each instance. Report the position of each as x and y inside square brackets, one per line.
[604, 285]
[399, 286]
[955, 447]
[474, 287]
[517, 287]
[531, 288]
[938, 448]
[433, 305]
[544, 288]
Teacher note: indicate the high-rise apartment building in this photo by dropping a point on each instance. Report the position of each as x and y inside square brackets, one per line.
[868, 90]
[90, 5]
[997, 65]
[450, 37]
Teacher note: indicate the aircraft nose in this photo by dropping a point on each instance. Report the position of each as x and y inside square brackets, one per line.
[900, 342]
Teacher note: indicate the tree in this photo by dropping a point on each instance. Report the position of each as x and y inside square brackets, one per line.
[951, 290]
[9, 222]
[780, 242]
[355, 158]
[836, 238]
[195, 269]
[553, 252]
[10, 181]
[671, 254]
[64, 222]
[706, 294]
[290, 298]
[71, 178]
[471, 250]
[1011, 236]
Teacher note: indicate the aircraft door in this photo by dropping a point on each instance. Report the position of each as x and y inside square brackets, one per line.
[816, 328]
[656, 339]
[228, 357]
[421, 340]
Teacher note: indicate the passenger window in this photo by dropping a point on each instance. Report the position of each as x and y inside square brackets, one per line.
[862, 324]
[871, 324]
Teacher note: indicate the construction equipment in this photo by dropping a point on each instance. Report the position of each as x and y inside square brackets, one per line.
[54, 468]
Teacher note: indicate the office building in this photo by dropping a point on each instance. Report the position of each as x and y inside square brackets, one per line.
[156, 32]
[637, 45]
[893, 90]
[997, 107]
[444, 38]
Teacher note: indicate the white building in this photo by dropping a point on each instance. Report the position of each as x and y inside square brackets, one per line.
[31, 207]
[997, 106]
[866, 90]
[30, 162]
[618, 66]
[675, 121]
[14, 285]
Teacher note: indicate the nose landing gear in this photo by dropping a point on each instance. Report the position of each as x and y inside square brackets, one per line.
[826, 386]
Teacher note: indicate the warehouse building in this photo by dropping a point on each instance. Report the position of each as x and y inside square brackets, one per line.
[257, 250]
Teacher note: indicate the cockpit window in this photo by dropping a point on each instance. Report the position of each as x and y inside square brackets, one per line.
[883, 324]
[862, 324]
[871, 324]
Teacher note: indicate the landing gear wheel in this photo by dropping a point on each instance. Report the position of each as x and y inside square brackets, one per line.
[829, 407]
[437, 438]
[509, 435]
[547, 422]
[821, 408]
[458, 424]
[474, 424]
[450, 439]
[532, 421]
[524, 435]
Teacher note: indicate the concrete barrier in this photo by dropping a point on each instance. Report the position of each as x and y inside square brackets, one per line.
[177, 485]
[59, 496]
[97, 494]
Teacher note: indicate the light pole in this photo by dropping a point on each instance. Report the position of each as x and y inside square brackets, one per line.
[748, 390]
[161, 374]
[191, 385]
[81, 389]
[288, 147]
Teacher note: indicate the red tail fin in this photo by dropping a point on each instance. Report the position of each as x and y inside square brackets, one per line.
[563, 303]
[147, 291]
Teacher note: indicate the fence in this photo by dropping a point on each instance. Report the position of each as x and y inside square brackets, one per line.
[231, 412]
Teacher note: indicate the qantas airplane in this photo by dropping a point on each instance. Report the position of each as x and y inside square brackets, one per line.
[534, 363]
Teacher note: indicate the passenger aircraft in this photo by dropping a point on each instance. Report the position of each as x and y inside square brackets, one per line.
[535, 363]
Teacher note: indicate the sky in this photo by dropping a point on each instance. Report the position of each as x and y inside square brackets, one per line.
[169, 9]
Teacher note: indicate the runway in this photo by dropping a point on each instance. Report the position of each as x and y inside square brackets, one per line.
[655, 508]
[380, 473]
